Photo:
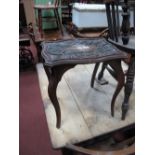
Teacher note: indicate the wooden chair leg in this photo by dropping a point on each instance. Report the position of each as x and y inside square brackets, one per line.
[40, 22]
[55, 14]
[128, 87]
[59, 21]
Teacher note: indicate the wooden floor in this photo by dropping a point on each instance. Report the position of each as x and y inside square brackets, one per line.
[55, 34]
[85, 111]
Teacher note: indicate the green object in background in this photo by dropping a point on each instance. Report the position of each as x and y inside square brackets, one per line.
[47, 24]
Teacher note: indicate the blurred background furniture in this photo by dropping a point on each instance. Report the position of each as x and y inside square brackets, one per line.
[66, 8]
[26, 59]
[49, 11]
[123, 38]
[88, 15]
[22, 17]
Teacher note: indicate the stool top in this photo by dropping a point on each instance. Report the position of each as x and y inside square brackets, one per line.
[79, 51]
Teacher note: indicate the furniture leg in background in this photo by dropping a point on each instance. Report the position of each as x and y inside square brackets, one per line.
[123, 40]
[117, 74]
[56, 18]
[128, 87]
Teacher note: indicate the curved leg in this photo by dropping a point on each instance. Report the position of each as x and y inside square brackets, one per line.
[128, 87]
[94, 74]
[54, 76]
[100, 78]
[100, 75]
[116, 65]
[53, 83]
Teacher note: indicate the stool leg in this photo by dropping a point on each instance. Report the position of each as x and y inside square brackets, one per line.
[128, 87]
[94, 74]
[53, 83]
[100, 78]
[120, 77]
[100, 75]
[54, 76]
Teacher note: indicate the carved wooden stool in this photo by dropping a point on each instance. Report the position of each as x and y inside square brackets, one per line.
[60, 56]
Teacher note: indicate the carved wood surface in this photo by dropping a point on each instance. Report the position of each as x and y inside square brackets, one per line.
[79, 51]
